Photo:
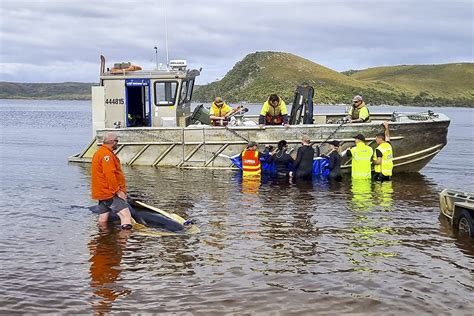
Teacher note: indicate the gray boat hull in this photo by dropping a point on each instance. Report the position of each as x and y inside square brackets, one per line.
[416, 139]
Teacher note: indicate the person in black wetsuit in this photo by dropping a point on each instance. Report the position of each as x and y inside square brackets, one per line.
[281, 159]
[304, 160]
[334, 161]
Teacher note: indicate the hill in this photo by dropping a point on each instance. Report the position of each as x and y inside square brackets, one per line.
[262, 73]
[426, 83]
[52, 91]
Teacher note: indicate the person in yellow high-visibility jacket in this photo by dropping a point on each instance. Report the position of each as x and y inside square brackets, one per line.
[358, 113]
[383, 156]
[220, 112]
[273, 112]
[361, 158]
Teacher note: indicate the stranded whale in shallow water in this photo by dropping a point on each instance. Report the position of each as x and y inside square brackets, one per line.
[153, 217]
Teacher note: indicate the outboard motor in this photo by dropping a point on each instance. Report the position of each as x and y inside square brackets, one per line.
[302, 104]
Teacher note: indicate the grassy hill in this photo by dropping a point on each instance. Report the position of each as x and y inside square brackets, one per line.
[52, 91]
[262, 73]
[426, 83]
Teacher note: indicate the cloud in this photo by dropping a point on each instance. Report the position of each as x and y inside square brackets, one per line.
[42, 37]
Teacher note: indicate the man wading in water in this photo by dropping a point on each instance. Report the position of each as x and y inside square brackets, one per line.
[108, 183]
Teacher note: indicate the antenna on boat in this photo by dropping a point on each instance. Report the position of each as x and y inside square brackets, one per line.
[166, 35]
[156, 57]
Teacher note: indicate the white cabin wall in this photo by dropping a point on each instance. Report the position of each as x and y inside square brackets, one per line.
[98, 108]
[114, 103]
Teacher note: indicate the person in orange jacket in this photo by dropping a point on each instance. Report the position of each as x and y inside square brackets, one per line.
[108, 183]
[251, 165]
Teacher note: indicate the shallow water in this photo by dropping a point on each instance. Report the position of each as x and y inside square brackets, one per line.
[265, 247]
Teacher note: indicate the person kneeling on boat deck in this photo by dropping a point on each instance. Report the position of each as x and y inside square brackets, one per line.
[358, 113]
[334, 165]
[251, 165]
[282, 160]
[383, 156]
[220, 112]
[361, 158]
[108, 182]
[273, 112]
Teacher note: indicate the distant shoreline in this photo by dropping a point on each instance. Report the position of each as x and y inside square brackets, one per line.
[81, 91]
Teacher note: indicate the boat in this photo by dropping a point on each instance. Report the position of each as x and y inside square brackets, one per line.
[458, 208]
[150, 110]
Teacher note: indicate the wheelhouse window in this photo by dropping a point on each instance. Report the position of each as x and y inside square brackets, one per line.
[186, 91]
[165, 93]
[189, 92]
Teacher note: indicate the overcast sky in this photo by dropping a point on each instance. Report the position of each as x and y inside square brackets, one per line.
[57, 41]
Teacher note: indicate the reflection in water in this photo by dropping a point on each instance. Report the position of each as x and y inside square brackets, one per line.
[259, 237]
[463, 242]
[106, 251]
[383, 195]
[370, 238]
[362, 200]
[250, 184]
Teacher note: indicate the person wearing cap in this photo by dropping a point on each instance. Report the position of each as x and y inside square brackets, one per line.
[273, 112]
[108, 183]
[361, 158]
[304, 160]
[220, 112]
[251, 165]
[358, 113]
[383, 156]
[334, 165]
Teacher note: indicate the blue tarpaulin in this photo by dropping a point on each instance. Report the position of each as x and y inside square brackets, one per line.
[319, 165]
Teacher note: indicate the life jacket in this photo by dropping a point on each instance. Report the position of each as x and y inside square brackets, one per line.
[220, 111]
[223, 122]
[274, 114]
[386, 166]
[363, 113]
[251, 163]
[273, 119]
[361, 161]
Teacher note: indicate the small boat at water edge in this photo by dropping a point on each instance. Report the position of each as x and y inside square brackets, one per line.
[151, 113]
[458, 208]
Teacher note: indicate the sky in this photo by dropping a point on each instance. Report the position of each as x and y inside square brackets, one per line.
[61, 41]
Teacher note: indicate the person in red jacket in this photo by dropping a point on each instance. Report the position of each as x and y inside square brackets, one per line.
[108, 182]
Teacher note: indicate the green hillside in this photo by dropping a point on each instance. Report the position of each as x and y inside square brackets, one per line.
[262, 73]
[51, 91]
[426, 83]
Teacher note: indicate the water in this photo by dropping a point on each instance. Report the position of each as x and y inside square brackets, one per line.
[264, 248]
